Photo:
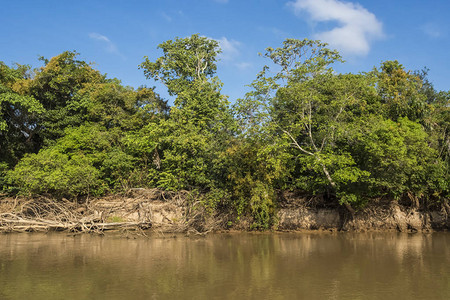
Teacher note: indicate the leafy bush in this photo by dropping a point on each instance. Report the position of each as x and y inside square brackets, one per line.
[52, 172]
[399, 158]
[3, 171]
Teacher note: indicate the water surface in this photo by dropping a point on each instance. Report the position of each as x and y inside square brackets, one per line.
[226, 266]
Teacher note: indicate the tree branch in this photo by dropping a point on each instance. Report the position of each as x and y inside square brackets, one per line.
[309, 127]
[296, 144]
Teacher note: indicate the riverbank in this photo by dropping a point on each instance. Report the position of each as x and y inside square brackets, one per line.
[144, 210]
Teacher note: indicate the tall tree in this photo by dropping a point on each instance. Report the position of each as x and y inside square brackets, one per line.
[184, 62]
[187, 144]
[401, 92]
[55, 86]
[308, 104]
[18, 115]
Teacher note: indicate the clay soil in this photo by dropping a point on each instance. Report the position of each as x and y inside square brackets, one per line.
[142, 211]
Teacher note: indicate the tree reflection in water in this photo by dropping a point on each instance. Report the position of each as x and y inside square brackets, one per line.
[238, 266]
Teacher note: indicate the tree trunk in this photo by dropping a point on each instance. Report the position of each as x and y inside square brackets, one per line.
[333, 184]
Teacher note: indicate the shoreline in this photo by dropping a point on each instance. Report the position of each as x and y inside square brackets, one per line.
[149, 211]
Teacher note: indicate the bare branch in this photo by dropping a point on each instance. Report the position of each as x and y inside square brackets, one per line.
[295, 143]
[309, 127]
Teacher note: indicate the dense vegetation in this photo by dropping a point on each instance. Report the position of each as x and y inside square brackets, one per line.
[68, 131]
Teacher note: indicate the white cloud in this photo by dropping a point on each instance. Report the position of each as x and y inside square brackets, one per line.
[231, 53]
[230, 48]
[99, 37]
[279, 32]
[432, 30]
[166, 17]
[274, 31]
[109, 46]
[357, 26]
[243, 66]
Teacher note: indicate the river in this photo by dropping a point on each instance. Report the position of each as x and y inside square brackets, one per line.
[226, 266]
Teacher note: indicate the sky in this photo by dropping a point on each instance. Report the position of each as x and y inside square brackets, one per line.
[116, 35]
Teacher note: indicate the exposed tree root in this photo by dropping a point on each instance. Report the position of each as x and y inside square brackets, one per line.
[138, 211]
[143, 211]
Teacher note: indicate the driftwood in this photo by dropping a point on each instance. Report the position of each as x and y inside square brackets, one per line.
[138, 211]
[44, 214]
[20, 225]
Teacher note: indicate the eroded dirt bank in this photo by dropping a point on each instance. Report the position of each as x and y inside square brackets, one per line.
[144, 210]
[394, 218]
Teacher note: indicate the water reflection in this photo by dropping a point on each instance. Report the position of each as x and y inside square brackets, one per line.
[237, 266]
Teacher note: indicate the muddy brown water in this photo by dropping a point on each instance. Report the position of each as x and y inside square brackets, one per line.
[226, 266]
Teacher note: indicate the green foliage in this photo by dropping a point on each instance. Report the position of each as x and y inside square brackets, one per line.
[103, 150]
[255, 169]
[51, 172]
[326, 117]
[87, 138]
[117, 107]
[18, 115]
[176, 156]
[214, 200]
[82, 178]
[401, 92]
[116, 165]
[81, 118]
[185, 61]
[115, 219]
[68, 131]
[184, 148]
[310, 109]
[400, 159]
[3, 172]
[55, 86]
[262, 205]
[83, 162]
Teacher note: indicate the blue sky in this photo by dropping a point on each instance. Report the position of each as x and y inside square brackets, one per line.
[116, 35]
